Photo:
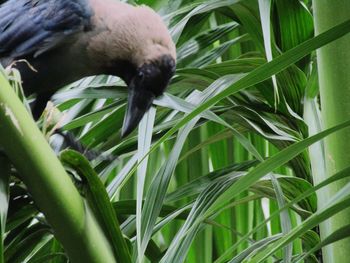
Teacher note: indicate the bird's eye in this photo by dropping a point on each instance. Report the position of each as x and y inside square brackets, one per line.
[140, 75]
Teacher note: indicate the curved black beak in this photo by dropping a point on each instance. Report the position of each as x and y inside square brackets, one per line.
[149, 82]
[139, 101]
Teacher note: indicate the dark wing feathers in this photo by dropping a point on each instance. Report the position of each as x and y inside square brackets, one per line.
[31, 27]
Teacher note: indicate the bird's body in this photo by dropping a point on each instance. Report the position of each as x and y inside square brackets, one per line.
[66, 40]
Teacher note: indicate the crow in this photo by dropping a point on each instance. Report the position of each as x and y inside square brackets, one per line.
[65, 40]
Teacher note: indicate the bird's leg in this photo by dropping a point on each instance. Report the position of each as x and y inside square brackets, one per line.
[69, 139]
[73, 143]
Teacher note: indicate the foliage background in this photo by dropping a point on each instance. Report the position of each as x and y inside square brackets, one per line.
[206, 191]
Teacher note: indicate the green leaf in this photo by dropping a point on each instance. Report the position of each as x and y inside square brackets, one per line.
[24, 247]
[337, 235]
[263, 72]
[144, 144]
[5, 169]
[99, 201]
[271, 164]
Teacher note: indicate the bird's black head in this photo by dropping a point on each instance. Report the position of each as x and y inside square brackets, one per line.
[148, 82]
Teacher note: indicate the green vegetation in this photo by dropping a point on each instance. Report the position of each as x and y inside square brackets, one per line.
[230, 166]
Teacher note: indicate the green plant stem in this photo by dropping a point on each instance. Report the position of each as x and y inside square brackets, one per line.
[334, 79]
[51, 187]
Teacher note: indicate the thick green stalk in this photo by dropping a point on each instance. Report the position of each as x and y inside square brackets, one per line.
[334, 79]
[49, 184]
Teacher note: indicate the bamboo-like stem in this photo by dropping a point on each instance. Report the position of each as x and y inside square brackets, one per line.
[48, 183]
[334, 79]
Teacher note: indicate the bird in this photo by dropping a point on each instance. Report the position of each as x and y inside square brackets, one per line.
[56, 42]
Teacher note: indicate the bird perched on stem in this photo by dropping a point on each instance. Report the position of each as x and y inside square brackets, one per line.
[66, 40]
